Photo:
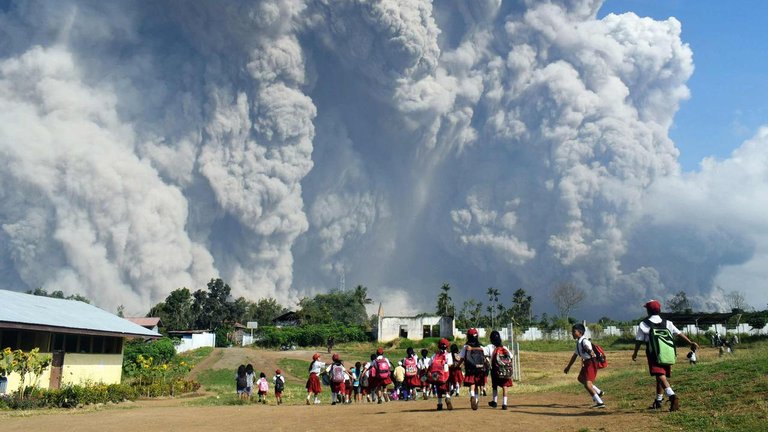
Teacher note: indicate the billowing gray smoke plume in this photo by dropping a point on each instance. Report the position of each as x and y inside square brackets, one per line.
[282, 143]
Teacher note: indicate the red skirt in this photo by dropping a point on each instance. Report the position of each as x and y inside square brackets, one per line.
[456, 375]
[588, 371]
[478, 379]
[501, 382]
[413, 381]
[337, 387]
[313, 384]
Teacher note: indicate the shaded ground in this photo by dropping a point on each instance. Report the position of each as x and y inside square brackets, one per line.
[540, 411]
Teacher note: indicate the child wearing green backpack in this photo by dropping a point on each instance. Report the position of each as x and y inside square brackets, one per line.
[658, 335]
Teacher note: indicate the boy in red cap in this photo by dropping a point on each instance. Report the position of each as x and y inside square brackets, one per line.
[661, 372]
[475, 359]
[279, 381]
[313, 382]
[380, 375]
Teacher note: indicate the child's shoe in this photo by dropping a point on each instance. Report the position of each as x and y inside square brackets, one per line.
[449, 404]
[504, 407]
[674, 403]
[492, 404]
[655, 405]
[440, 407]
[473, 403]
[600, 405]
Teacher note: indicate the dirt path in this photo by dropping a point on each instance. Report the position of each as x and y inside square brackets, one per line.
[542, 411]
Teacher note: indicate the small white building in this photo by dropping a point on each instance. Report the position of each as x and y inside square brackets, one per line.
[414, 328]
[193, 339]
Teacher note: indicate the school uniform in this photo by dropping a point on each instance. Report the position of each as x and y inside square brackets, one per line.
[263, 386]
[274, 380]
[588, 370]
[495, 380]
[456, 375]
[643, 335]
[473, 376]
[313, 383]
[339, 387]
[423, 365]
[412, 378]
[442, 389]
[379, 381]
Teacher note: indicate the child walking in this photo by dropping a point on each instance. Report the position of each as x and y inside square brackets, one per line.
[456, 376]
[250, 376]
[501, 370]
[279, 381]
[423, 365]
[338, 376]
[241, 383]
[661, 372]
[412, 380]
[474, 357]
[588, 372]
[313, 382]
[439, 374]
[263, 386]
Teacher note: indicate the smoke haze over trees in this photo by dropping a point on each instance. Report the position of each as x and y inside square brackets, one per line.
[402, 144]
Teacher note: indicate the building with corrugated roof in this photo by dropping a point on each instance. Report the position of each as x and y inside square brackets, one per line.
[85, 342]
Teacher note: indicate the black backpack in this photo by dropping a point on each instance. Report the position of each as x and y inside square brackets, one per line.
[279, 384]
[475, 358]
[242, 382]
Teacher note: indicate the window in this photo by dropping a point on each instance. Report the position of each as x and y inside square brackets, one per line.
[58, 342]
[85, 344]
[436, 330]
[9, 338]
[98, 344]
[427, 331]
[70, 343]
[27, 340]
[404, 331]
[113, 345]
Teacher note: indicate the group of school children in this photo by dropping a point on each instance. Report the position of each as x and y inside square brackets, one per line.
[442, 376]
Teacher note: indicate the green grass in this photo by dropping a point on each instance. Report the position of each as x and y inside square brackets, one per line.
[196, 356]
[728, 394]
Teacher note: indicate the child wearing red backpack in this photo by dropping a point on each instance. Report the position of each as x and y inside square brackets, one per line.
[588, 372]
[412, 380]
[380, 375]
[338, 377]
[439, 374]
[501, 370]
[475, 359]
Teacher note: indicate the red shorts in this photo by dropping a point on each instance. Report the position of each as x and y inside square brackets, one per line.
[278, 394]
[313, 384]
[413, 381]
[656, 369]
[337, 387]
[588, 371]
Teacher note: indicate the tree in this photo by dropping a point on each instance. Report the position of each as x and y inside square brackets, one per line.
[176, 311]
[493, 299]
[679, 302]
[361, 295]
[445, 305]
[566, 297]
[736, 300]
[58, 294]
[336, 306]
[265, 310]
[521, 307]
[121, 311]
[469, 316]
[757, 321]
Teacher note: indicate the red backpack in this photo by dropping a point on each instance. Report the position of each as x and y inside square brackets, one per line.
[600, 359]
[382, 368]
[437, 374]
[411, 368]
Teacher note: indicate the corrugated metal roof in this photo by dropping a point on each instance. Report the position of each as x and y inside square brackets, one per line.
[144, 321]
[27, 309]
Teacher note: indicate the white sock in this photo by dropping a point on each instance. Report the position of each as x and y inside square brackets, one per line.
[471, 393]
[308, 395]
[597, 399]
[669, 391]
[659, 397]
[505, 400]
[594, 387]
[495, 394]
[333, 397]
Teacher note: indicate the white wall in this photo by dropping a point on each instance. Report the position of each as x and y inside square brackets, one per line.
[389, 327]
[197, 340]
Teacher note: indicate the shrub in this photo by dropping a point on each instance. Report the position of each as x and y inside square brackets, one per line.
[311, 335]
[70, 396]
[161, 351]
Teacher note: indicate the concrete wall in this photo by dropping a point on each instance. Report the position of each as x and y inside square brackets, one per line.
[197, 340]
[77, 369]
[389, 327]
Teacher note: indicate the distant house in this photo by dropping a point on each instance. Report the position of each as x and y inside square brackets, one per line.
[288, 319]
[149, 323]
[193, 339]
[85, 342]
[414, 328]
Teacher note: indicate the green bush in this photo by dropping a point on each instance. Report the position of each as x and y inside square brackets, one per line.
[69, 396]
[161, 350]
[311, 335]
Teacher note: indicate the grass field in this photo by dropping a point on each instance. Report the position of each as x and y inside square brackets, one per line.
[718, 394]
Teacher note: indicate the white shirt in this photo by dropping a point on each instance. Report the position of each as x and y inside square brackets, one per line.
[643, 330]
[487, 351]
[583, 347]
[317, 367]
[423, 363]
[448, 360]
[278, 377]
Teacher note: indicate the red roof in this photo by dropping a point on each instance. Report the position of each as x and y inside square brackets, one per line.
[145, 321]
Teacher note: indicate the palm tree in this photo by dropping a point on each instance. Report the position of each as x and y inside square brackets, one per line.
[444, 302]
[361, 295]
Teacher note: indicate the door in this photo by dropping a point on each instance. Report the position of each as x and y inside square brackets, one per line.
[57, 362]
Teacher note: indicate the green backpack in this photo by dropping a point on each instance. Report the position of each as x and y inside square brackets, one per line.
[661, 344]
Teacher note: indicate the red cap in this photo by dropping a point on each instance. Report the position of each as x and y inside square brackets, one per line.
[379, 351]
[277, 372]
[443, 344]
[315, 356]
[472, 332]
[335, 357]
[653, 306]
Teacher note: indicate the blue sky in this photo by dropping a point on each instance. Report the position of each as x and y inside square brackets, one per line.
[728, 87]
